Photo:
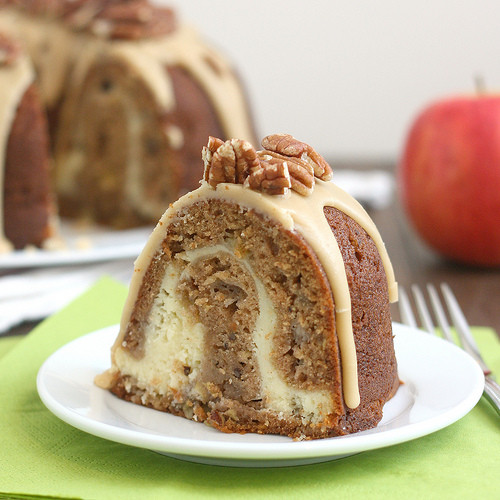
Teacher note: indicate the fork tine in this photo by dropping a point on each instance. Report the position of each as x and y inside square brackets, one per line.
[422, 310]
[405, 310]
[439, 312]
[461, 325]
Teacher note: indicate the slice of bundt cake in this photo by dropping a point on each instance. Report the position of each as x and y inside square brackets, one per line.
[261, 301]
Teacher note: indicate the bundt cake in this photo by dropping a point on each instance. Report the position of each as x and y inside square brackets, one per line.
[130, 96]
[26, 206]
[261, 302]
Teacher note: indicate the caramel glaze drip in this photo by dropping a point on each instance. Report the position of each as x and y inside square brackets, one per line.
[228, 169]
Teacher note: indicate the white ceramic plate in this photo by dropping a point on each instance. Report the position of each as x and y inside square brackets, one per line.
[82, 245]
[441, 384]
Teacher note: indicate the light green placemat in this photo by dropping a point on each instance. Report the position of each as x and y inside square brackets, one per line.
[7, 343]
[42, 456]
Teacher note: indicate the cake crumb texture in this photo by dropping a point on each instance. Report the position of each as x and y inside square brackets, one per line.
[234, 325]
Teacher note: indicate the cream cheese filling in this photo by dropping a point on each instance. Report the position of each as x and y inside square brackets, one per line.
[173, 341]
[279, 396]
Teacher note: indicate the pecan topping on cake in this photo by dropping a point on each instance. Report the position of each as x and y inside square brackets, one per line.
[121, 19]
[113, 19]
[284, 164]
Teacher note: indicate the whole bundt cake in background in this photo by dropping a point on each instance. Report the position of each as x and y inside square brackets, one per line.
[26, 206]
[130, 95]
[261, 302]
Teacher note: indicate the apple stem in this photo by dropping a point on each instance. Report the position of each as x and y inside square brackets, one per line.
[480, 85]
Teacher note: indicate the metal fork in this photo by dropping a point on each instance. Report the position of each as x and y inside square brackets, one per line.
[491, 388]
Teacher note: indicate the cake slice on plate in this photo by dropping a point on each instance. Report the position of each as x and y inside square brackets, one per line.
[261, 301]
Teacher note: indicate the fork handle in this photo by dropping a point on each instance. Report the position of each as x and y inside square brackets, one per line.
[492, 392]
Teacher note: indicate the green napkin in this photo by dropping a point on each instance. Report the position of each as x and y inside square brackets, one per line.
[7, 343]
[42, 456]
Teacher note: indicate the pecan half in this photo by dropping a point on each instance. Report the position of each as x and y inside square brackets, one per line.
[208, 151]
[247, 160]
[287, 145]
[230, 161]
[271, 177]
[301, 172]
[221, 166]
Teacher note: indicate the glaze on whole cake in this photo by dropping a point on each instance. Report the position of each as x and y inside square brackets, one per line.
[130, 95]
[261, 301]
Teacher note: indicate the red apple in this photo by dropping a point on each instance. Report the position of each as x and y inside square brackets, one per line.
[449, 178]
